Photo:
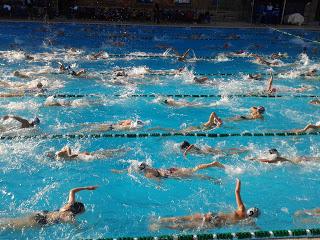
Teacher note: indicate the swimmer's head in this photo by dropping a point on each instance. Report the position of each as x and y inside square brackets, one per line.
[185, 145]
[139, 123]
[253, 212]
[36, 121]
[260, 109]
[39, 85]
[77, 208]
[142, 166]
[274, 153]
[165, 101]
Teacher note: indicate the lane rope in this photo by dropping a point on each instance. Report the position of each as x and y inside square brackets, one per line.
[238, 235]
[67, 95]
[293, 35]
[147, 135]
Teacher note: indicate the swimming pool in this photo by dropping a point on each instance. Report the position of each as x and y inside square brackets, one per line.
[125, 204]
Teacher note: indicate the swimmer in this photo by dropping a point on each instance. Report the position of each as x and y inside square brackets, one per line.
[274, 157]
[122, 125]
[272, 90]
[210, 219]
[173, 103]
[70, 71]
[310, 73]
[186, 147]
[66, 214]
[200, 80]
[183, 57]
[309, 128]
[177, 173]
[66, 154]
[315, 102]
[99, 55]
[20, 75]
[24, 123]
[278, 55]
[311, 212]
[255, 113]
[213, 122]
[262, 61]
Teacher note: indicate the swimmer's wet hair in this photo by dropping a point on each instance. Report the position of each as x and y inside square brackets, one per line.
[185, 145]
[77, 207]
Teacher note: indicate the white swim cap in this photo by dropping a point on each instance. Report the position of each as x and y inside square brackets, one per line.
[253, 212]
[137, 124]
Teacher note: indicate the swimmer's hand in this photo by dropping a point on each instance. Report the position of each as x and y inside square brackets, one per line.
[92, 187]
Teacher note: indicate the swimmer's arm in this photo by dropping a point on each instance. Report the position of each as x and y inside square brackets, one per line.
[19, 119]
[241, 208]
[270, 82]
[186, 53]
[72, 193]
[187, 150]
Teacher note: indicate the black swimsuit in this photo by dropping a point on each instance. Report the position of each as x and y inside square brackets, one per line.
[41, 218]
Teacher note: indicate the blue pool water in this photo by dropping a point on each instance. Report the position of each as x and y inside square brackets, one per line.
[124, 205]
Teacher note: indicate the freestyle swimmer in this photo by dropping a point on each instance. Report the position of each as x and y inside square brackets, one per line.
[174, 172]
[24, 123]
[186, 147]
[309, 128]
[255, 113]
[66, 153]
[66, 214]
[213, 122]
[122, 125]
[274, 157]
[272, 90]
[210, 219]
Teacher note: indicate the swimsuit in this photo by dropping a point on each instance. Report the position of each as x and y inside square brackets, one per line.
[41, 218]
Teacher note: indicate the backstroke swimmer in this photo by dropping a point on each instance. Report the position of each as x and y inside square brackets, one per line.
[275, 157]
[210, 219]
[66, 154]
[66, 214]
[174, 172]
[188, 148]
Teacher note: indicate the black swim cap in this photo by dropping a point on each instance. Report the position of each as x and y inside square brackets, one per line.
[184, 145]
[142, 166]
[273, 151]
[77, 207]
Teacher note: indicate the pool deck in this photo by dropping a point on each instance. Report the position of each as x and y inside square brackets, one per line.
[211, 25]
